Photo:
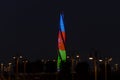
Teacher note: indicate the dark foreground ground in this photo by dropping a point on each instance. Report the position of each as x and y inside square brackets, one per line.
[59, 76]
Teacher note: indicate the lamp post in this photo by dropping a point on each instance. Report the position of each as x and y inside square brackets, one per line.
[105, 69]
[116, 67]
[68, 57]
[95, 65]
[2, 69]
[9, 71]
[72, 66]
[77, 58]
[25, 62]
[72, 61]
[106, 61]
[16, 63]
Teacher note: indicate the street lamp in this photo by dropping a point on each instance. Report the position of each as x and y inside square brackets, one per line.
[95, 65]
[42, 60]
[68, 57]
[2, 69]
[25, 62]
[100, 60]
[77, 58]
[72, 61]
[17, 62]
[9, 66]
[116, 67]
[90, 58]
[106, 61]
[54, 60]
[9, 70]
[21, 57]
[105, 68]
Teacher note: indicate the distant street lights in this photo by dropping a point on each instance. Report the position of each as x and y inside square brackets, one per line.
[106, 61]
[74, 60]
[16, 58]
[25, 62]
[95, 60]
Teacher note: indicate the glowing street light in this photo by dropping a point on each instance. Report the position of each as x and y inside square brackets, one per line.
[21, 57]
[2, 69]
[42, 60]
[17, 62]
[68, 57]
[110, 59]
[25, 62]
[94, 58]
[90, 58]
[54, 60]
[9, 70]
[116, 67]
[100, 60]
[77, 56]
[106, 61]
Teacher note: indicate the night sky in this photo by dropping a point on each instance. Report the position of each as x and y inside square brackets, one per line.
[30, 27]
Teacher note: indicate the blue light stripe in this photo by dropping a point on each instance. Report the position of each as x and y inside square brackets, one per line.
[62, 23]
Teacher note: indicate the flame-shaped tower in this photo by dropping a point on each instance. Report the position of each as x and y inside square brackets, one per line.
[61, 43]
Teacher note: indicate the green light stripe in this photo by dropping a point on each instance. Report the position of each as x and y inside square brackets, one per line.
[58, 62]
[63, 54]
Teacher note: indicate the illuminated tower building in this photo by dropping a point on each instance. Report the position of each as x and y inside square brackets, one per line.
[61, 43]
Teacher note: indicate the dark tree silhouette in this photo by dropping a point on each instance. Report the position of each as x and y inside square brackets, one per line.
[82, 71]
[65, 72]
[51, 66]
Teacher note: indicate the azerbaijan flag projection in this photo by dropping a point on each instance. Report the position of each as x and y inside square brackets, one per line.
[61, 43]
